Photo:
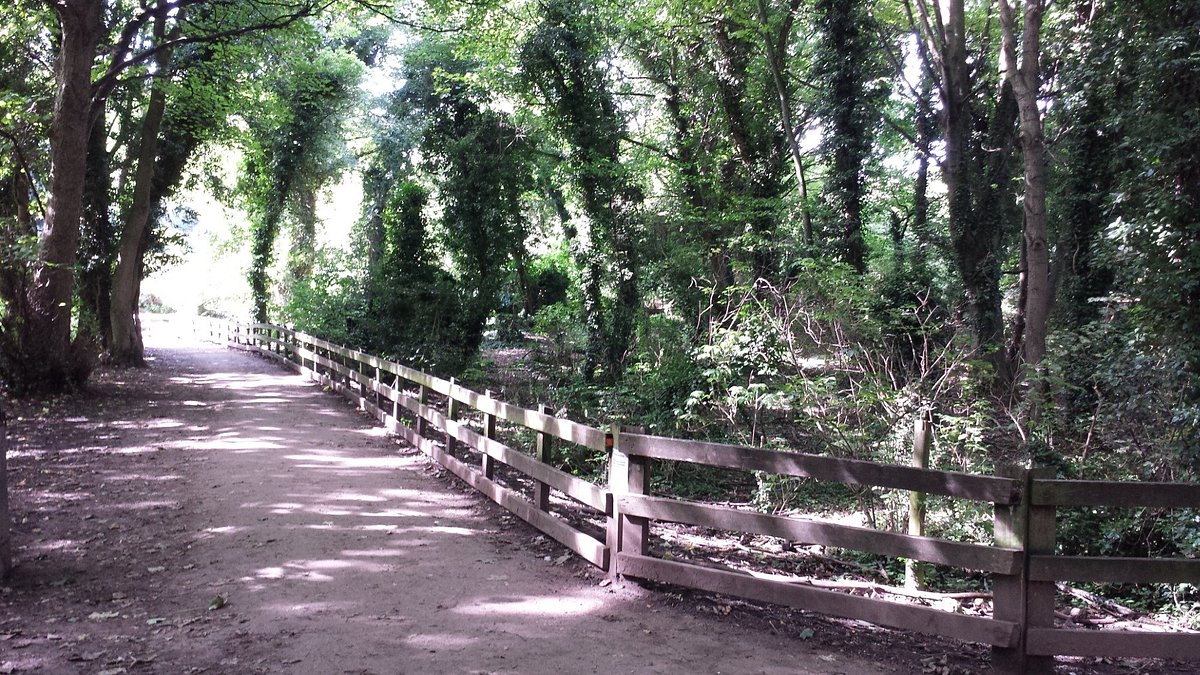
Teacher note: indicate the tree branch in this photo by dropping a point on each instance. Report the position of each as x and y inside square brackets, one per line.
[16, 142]
[649, 146]
[120, 63]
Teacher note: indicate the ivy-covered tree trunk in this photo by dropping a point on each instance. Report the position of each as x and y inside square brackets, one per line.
[926, 129]
[561, 59]
[776, 41]
[977, 173]
[303, 255]
[758, 147]
[97, 249]
[849, 66]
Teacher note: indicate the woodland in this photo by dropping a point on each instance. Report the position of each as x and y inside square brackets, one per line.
[796, 224]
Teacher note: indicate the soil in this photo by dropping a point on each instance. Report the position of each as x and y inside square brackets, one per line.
[213, 513]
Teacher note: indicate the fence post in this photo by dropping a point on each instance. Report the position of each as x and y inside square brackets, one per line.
[914, 572]
[396, 403]
[423, 399]
[378, 398]
[544, 448]
[1040, 595]
[626, 476]
[5, 535]
[1021, 527]
[323, 375]
[487, 462]
[451, 416]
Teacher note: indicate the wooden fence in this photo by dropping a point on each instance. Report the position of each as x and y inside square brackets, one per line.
[1020, 561]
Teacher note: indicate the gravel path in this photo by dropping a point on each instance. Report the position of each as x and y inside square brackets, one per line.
[218, 514]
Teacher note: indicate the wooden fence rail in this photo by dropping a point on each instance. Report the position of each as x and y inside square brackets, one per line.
[1020, 560]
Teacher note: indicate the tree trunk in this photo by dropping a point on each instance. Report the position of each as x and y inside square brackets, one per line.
[125, 347]
[1026, 82]
[776, 60]
[976, 172]
[920, 215]
[303, 255]
[97, 249]
[47, 342]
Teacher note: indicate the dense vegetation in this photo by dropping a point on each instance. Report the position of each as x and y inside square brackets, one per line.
[787, 223]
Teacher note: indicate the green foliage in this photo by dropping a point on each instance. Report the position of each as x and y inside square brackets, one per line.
[561, 62]
[480, 164]
[295, 147]
[321, 302]
[851, 68]
[153, 304]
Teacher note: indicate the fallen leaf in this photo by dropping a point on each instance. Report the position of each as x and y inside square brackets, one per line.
[806, 634]
[101, 616]
[217, 602]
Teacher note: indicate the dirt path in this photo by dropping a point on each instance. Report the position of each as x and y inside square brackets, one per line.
[217, 514]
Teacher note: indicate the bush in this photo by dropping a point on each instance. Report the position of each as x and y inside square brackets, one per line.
[153, 304]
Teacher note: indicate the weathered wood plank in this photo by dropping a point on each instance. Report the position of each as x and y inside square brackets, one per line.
[576, 488]
[850, 471]
[1077, 642]
[588, 548]
[880, 612]
[1114, 493]
[967, 556]
[566, 430]
[572, 432]
[1115, 570]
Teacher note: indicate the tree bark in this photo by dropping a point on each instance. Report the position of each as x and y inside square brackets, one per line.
[1026, 82]
[47, 342]
[776, 60]
[125, 345]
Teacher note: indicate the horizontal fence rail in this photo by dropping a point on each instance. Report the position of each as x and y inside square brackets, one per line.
[1020, 560]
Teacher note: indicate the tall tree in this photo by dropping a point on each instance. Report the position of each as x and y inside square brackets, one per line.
[1025, 79]
[562, 60]
[291, 150]
[978, 125]
[45, 352]
[481, 165]
[45, 343]
[851, 71]
[125, 343]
